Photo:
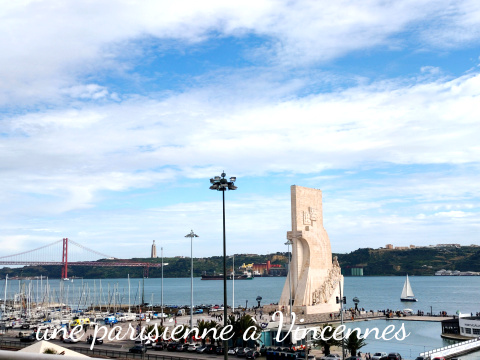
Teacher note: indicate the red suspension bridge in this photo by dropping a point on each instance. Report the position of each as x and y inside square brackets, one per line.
[43, 254]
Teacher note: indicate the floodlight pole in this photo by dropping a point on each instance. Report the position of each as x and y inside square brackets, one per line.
[222, 184]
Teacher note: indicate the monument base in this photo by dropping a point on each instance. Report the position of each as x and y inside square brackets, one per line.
[316, 309]
[303, 310]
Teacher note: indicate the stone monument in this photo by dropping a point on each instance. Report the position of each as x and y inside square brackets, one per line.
[315, 278]
[154, 250]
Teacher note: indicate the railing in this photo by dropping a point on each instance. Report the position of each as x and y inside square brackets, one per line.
[127, 355]
[11, 344]
[465, 345]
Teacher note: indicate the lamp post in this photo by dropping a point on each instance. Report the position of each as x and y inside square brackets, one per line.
[191, 235]
[222, 184]
[288, 243]
[233, 284]
[341, 319]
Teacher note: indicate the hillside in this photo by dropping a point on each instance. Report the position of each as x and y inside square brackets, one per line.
[375, 262]
[416, 261]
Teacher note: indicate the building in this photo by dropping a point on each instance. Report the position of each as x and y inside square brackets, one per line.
[356, 270]
[262, 269]
[154, 250]
[389, 247]
[469, 326]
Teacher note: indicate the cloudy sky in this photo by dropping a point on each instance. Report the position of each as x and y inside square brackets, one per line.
[115, 114]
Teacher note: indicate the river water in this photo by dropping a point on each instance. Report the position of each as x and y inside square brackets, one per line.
[436, 293]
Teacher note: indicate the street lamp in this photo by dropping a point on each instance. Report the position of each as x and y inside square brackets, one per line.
[191, 235]
[288, 243]
[222, 184]
[342, 301]
[233, 284]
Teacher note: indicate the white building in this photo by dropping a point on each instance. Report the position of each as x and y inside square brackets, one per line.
[469, 326]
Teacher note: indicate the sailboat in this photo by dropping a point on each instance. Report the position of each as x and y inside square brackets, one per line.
[407, 293]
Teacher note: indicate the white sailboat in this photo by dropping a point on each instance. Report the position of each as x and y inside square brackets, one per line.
[407, 292]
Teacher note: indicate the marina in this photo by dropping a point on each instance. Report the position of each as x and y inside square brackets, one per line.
[435, 294]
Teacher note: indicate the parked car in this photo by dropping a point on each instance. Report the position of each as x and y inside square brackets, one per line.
[182, 347]
[211, 349]
[70, 339]
[335, 357]
[394, 356]
[97, 341]
[354, 358]
[201, 349]
[138, 349]
[172, 346]
[219, 350]
[379, 355]
[110, 320]
[242, 352]
[199, 311]
[147, 342]
[193, 347]
[233, 350]
[159, 345]
[28, 338]
[252, 354]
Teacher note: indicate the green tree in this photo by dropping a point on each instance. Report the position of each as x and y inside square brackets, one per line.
[241, 325]
[150, 330]
[354, 343]
[327, 330]
[205, 326]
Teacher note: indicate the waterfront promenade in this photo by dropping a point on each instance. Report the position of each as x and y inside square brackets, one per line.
[313, 320]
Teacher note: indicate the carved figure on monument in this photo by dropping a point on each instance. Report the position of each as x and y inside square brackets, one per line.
[315, 276]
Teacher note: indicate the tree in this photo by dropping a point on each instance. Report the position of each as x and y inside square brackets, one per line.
[327, 330]
[150, 331]
[205, 326]
[354, 343]
[241, 325]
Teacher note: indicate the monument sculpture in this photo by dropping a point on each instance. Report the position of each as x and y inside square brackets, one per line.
[154, 250]
[315, 278]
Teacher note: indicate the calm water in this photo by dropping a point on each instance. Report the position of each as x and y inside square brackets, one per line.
[449, 294]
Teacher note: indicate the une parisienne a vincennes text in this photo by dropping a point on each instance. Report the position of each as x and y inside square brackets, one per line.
[226, 333]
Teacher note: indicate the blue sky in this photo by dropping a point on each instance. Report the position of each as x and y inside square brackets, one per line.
[114, 115]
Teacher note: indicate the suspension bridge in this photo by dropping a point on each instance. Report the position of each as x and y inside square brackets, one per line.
[77, 255]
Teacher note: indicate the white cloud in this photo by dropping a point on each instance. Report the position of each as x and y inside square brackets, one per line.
[49, 46]
[75, 153]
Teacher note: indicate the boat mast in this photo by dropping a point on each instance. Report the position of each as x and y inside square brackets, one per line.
[5, 297]
[128, 275]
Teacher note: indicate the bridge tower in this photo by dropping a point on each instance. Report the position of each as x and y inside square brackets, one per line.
[65, 259]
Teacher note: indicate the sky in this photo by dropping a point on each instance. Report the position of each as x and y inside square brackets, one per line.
[114, 115]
